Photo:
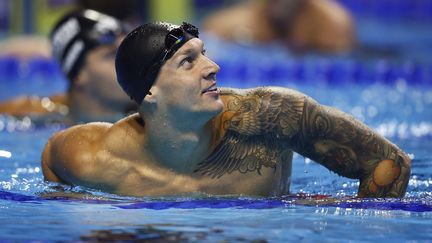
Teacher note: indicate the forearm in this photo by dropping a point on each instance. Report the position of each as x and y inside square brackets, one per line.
[25, 106]
[351, 149]
[389, 178]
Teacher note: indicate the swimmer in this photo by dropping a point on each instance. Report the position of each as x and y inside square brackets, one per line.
[84, 43]
[301, 25]
[189, 135]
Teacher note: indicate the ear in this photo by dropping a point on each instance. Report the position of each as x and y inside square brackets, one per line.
[152, 97]
[151, 100]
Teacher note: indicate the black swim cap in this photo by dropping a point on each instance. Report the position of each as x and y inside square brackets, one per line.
[77, 33]
[143, 52]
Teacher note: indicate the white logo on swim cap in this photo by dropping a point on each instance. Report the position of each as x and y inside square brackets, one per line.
[104, 23]
[169, 26]
[107, 24]
[63, 35]
[73, 55]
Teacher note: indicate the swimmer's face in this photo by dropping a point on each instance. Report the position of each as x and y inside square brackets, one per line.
[101, 77]
[187, 81]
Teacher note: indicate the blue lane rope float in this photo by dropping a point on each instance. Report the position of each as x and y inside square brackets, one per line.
[299, 71]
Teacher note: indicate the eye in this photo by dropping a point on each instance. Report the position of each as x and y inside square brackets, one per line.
[187, 61]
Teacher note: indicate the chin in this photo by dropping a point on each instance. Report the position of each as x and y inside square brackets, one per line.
[213, 108]
[218, 105]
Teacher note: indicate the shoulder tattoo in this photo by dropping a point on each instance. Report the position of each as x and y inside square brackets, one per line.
[257, 124]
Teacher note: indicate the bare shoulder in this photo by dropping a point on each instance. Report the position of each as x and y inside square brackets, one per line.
[221, 22]
[93, 136]
[262, 100]
[39, 109]
[255, 130]
[22, 106]
[67, 151]
[228, 94]
[86, 133]
[94, 155]
[335, 27]
[259, 110]
[330, 9]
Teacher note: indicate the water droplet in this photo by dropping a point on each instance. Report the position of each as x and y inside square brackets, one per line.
[305, 164]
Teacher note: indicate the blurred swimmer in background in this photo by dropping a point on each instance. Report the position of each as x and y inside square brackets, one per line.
[84, 43]
[302, 25]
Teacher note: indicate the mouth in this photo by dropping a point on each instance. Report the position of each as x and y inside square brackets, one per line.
[211, 89]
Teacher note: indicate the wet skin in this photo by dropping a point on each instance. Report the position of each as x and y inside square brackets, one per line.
[301, 25]
[190, 138]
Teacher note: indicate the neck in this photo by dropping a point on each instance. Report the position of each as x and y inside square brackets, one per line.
[178, 143]
[85, 108]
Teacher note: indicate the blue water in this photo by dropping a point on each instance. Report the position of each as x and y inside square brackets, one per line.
[29, 210]
[391, 94]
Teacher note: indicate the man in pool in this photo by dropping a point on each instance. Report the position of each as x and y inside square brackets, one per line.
[191, 136]
[84, 42]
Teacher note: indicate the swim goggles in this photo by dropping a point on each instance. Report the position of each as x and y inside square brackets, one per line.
[176, 38]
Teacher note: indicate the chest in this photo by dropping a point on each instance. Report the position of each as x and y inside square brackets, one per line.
[263, 180]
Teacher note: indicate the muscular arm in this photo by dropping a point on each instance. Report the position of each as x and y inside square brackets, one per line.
[34, 106]
[349, 148]
[273, 117]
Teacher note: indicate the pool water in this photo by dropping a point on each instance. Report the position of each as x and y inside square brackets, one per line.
[393, 96]
[29, 209]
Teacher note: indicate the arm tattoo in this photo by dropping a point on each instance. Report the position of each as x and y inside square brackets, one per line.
[349, 148]
[262, 123]
[255, 125]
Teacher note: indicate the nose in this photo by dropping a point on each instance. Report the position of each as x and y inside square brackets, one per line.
[210, 70]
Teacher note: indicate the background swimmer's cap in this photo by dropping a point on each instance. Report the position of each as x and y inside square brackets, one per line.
[143, 52]
[77, 33]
